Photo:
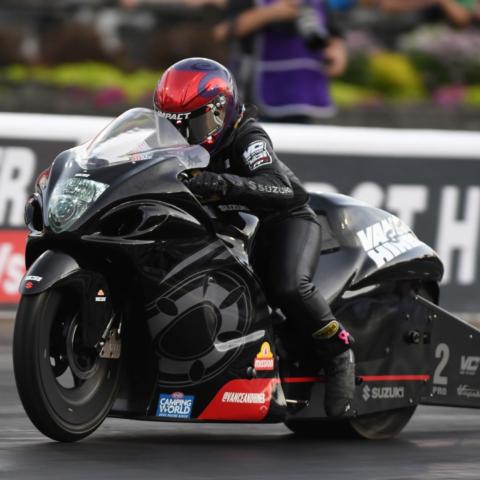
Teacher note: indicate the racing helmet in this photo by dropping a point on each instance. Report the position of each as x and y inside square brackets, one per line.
[200, 98]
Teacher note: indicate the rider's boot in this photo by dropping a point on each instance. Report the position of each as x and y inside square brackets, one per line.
[340, 387]
[333, 345]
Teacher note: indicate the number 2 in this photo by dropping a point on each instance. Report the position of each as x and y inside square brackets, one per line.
[443, 353]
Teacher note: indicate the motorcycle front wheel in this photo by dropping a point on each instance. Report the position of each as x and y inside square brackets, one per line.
[66, 389]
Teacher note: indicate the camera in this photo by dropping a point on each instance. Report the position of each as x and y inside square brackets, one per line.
[315, 35]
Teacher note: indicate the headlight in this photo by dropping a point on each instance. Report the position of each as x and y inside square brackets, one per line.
[70, 200]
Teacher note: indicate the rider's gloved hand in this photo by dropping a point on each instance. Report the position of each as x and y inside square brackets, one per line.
[207, 184]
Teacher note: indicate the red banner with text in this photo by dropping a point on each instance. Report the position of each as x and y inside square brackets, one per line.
[12, 264]
[21, 160]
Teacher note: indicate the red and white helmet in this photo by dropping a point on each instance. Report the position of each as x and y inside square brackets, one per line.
[200, 98]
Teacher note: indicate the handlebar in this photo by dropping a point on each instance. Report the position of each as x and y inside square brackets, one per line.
[184, 177]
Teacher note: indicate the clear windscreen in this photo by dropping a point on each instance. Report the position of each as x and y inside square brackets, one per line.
[137, 135]
[133, 136]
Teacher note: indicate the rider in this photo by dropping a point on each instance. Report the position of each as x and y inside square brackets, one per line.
[199, 96]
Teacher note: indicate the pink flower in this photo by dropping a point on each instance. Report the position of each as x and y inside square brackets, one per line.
[109, 96]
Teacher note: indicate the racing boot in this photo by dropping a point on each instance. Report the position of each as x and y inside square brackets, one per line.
[333, 345]
[340, 387]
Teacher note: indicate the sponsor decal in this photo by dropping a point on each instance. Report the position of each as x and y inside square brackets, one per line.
[241, 400]
[175, 116]
[257, 155]
[328, 331]
[137, 157]
[33, 278]
[469, 365]
[243, 397]
[382, 393]
[386, 240]
[83, 175]
[12, 264]
[269, 188]
[175, 405]
[233, 208]
[29, 285]
[366, 393]
[468, 392]
[100, 296]
[438, 390]
[264, 359]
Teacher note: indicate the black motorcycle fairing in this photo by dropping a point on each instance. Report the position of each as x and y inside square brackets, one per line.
[145, 220]
[33, 213]
[369, 248]
[48, 269]
[155, 177]
[207, 317]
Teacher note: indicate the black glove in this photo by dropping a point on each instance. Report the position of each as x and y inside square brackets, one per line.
[207, 184]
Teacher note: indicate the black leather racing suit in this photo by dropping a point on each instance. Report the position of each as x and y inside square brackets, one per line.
[289, 238]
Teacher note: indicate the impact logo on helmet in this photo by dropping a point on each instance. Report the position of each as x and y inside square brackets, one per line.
[174, 116]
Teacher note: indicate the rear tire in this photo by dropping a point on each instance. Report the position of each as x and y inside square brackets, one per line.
[66, 389]
[382, 425]
[375, 426]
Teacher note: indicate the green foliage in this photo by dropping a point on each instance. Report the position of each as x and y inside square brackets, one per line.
[472, 96]
[90, 76]
[348, 95]
[395, 76]
[444, 55]
[372, 77]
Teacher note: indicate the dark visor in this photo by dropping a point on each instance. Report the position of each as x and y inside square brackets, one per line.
[197, 126]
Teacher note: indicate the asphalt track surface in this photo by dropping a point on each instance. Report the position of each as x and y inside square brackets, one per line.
[439, 443]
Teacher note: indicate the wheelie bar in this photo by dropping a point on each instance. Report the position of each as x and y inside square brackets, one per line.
[455, 360]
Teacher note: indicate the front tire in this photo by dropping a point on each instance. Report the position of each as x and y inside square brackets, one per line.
[66, 389]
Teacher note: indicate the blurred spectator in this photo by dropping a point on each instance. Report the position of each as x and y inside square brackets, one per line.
[459, 13]
[341, 5]
[10, 51]
[73, 43]
[288, 50]
[188, 3]
[177, 29]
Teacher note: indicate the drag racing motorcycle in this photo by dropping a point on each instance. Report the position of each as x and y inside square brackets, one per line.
[140, 302]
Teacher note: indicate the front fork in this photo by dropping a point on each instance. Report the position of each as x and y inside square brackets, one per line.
[110, 345]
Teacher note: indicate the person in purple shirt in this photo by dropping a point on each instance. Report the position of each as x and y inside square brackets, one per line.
[286, 51]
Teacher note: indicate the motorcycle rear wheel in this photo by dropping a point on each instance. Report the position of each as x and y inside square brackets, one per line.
[375, 426]
[65, 388]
